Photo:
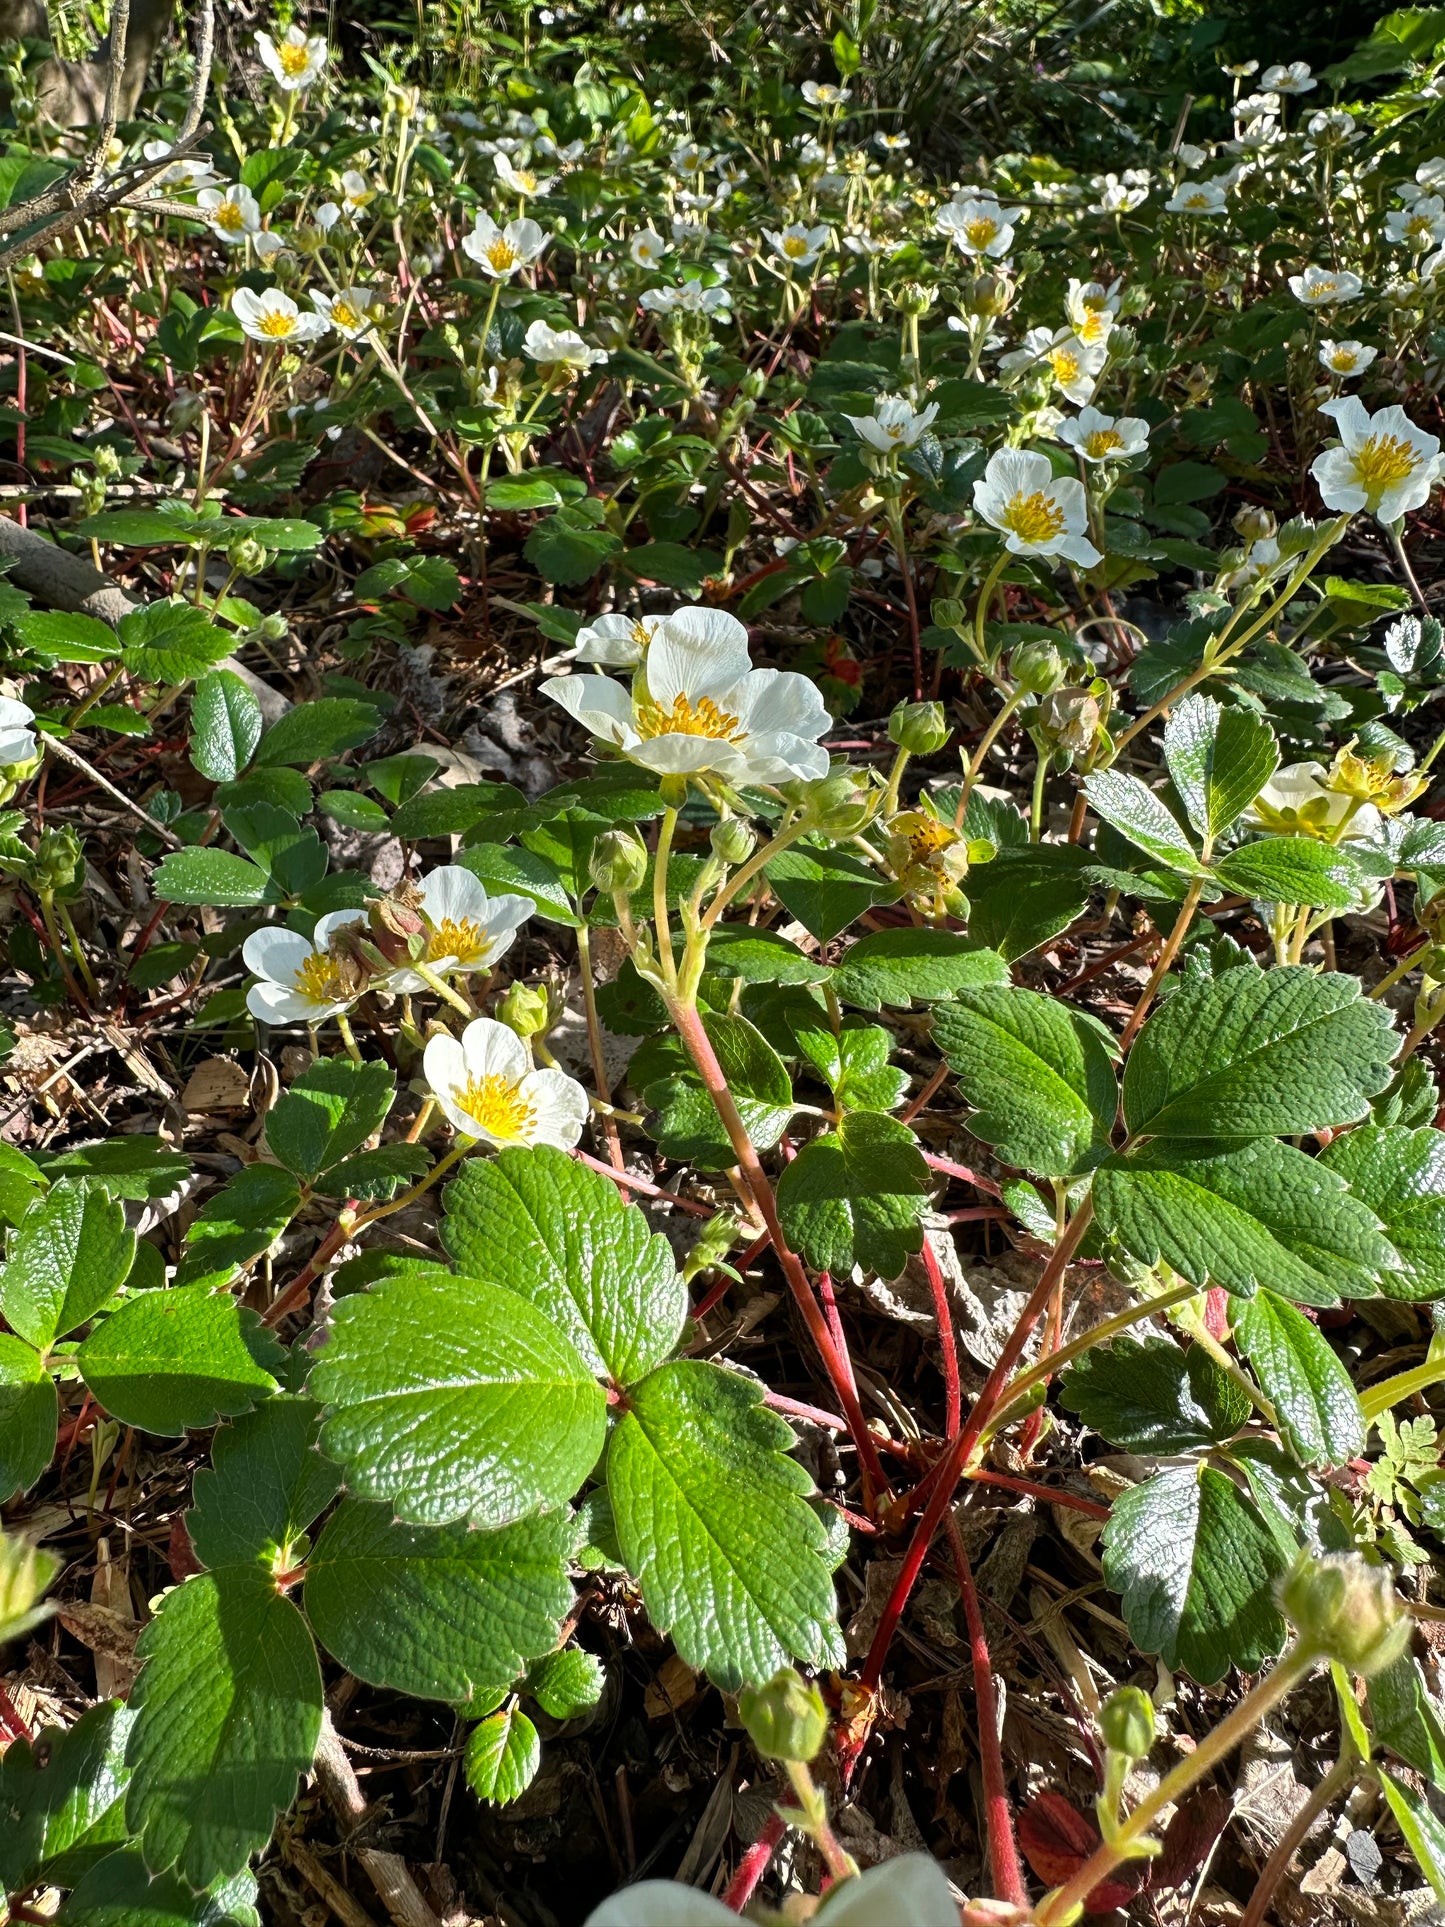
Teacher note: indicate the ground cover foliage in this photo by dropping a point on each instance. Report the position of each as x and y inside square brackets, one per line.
[724, 895]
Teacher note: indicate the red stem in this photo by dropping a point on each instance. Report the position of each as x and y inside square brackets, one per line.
[10, 1717]
[754, 1863]
[648, 1189]
[1033, 1490]
[1003, 1853]
[953, 1170]
[953, 1398]
[835, 1323]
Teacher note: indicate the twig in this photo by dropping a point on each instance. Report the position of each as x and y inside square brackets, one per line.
[387, 1872]
[77, 761]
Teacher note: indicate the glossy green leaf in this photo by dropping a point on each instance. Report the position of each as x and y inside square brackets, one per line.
[237, 1223]
[121, 1892]
[329, 1112]
[1152, 1396]
[210, 877]
[1304, 1380]
[687, 1125]
[29, 1415]
[266, 1483]
[898, 968]
[126, 1167]
[69, 1256]
[1219, 759]
[172, 1361]
[566, 1684]
[1424, 1832]
[856, 1196]
[225, 726]
[315, 731]
[824, 889]
[60, 1799]
[1399, 1173]
[502, 1757]
[1139, 814]
[1293, 869]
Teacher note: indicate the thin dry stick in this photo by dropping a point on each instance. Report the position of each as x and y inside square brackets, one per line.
[387, 1872]
[1292, 1839]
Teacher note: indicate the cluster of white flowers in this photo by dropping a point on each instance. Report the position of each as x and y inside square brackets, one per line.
[272, 317]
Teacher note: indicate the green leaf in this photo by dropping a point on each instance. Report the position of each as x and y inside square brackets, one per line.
[1424, 1832]
[1293, 869]
[712, 1521]
[169, 523]
[225, 726]
[1399, 1173]
[351, 808]
[1150, 1396]
[69, 1256]
[672, 565]
[60, 1800]
[1137, 813]
[243, 1219]
[213, 877]
[524, 873]
[172, 1361]
[22, 1181]
[1243, 1216]
[1187, 482]
[856, 1196]
[29, 1414]
[1196, 1566]
[502, 1757]
[441, 1612]
[897, 968]
[861, 1074]
[374, 1174]
[290, 853]
[120, 1892]
[170, 642]
[450, 812]
[1220, 759]
[687, 1125]
[430, 581]
[537, 1223]
[824, 889]
[1024, 897]
[1256, 1053]
[515, 494]
[329, 1112]
[67, 638]
[228, 1709]
[1299, 1373]
[566, 1684]
[266, 1483]
[738, 951]
[1405, 1720]
[455, 1399]
[312, 732]
[126, 1167]
[1038, 1077]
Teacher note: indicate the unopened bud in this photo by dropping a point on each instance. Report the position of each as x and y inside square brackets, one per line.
[786, 1719]
[274, 628]
[920, 728]
[59, 857]
[1255, 524]
[1037, 666]
[618, 861]
[524, 1010]
[246, 556]
[948, 612]
[1126, 1723]
[837, 805]
[987, 296]
[1343, 1609]
[732, 841]
[12, 775]
[914, 298]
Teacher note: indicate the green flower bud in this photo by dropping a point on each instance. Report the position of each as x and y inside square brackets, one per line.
[1255, 524]
[837, 805]
[246, 556]
[1126, 1722]
[1343, 1609]
[948, 612]
[1038, 667]
[618, 861]
[59, 860]
[914, 298]
[274, 628]
[786, 1719]
[986, 296]
[753, 385]
[920, 728]
[716, 1239]
[524, 1010]
[12, 775]
[732, 841]
[185, 410]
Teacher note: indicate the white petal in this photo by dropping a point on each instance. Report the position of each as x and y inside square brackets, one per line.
[493, 1050]
[559, 1108]
[780, 757]
[451, 891]
[275, 952]
[276, 1004]
[774, 699]
[713, 629]
[597, 702]
[683, 664]
[678, 755]
[333, 921]
[444, 1067]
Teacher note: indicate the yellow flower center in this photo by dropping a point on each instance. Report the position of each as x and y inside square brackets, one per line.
[1320, 290]
[794, 246]
[1065, 364]
[319, 979]
[465, 940]
[924, 835]
[1382, 461]
[344, 315]
[229, 215]
[525, 179]
[1418, 224]
[276, 325]
[294, 60]
[497, 1105]
[686, 718]
[1034, 518]
[980, 231]
[1094, 324]
[641, 634]
[1101, 442]
[1197, 199]
[502, 255]
[1343, 360]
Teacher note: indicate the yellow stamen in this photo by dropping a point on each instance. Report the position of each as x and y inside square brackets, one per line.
[1382, 461]
[980, 231]
[1065, 364]
[229, 215]
[924, 834]
[1101, 442]
[319, 979]
[641, 634]
[1320, 290]
[525, 179]
[502, 255]
[465, 940]
[1094, 324]
[294, 60]
[276, 325]
[496, 1105]
[794, 246]
[1034, 518]
[686, 718]
[344, 315]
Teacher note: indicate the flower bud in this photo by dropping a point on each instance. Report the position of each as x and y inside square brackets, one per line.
[618, 861]
[246, 556]
[1343, 1609]
[987, 296]
[523, 1009]
[786, 1719]
[716, 1239]
[1070, 718]
[948, 612]
[1255, 524]
[1037, 666]
[753, 385]
[59, 859]
[837, 805]
[1126, 1722]
[920, 728]
[732, 841]
[914, 298]
[274, 628]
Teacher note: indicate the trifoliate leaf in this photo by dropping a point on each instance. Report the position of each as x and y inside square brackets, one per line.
[502, 1757]
[713, 1522]
[442, 1612]
[1196, 1566]
[1293, 869]
[1301, 1376]
[1037, 1076]
[856, 1196]
[70, 1255]
[687, 1126]
[29, 1414]
[539, 1224]
[172, 1361]
[1258, 1054]
[898, 968]
[1137, 813]
[225, 726]
[228, 1709]
[1150, 1396]
[291, 853]
[171, 642]
[1399, 1173]
[266, 1483]
[243, 1219]
[566, 1684]
[1219, 759]
[455, 1399]
[329, 1112]
[60, 1799]
[824, 889]
[863, 1078]
[1241, 1217]
[120, 1892]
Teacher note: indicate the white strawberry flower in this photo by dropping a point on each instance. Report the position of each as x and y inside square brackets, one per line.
[299, 982]
[698, 705]
[1198, 197]
[1105, 438]
[1073, 364]
[182, 174]
[273, 317]
[892, 143]
[1383, 464]
[1037, 513]
[1419, 226]
[689, 297]
[979, 227]
[560, 348]
[894, 424]
[467, 929]
[647, 248]
[1346, 359]
[17, 738]
[1295, 78]
[485, 1085]
[233, 213]
[1092, 309]
[500, 251]
[822, 93]
[617, 642]
[348, 310]
[1323, 287]
[295, 60]
[798, 245]
[521, 180]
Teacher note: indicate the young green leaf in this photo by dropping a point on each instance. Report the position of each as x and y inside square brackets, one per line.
[856, 1196]
[329, 1112]
[897, 968]
[712, 1521]
[1137, 813]
[243, 1219]
[1026, 896]
[1196, 1566]
[1399, 1173]
[1293, 869]
[443, 1612]
[1038, 1077]
[1405, 1720]
[228, 1712]
[172, 1361]
[539, 1224]
[214, 877]
[1301, 1376]
[266, 1483]
[60, 1799]
[1220, 759]
[502, 1757]
[291, 853]
[29, 1415]
[1150, 1396]
[455, 1399]
[171, 642]
[566, 1684]
[863, 1077]
[70, 1255]
[225, 726]
[1258, 1053]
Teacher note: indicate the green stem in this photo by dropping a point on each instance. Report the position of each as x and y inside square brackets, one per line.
[353, 1049]
[443, 990]
[757, 862]
[1096, 1335]
[662, 928]
[1389, 1392]
[418, 1190]
[594, 1043]
[77, 950]
[87, 702]
[985, 597]
[990, 737]
[1041, 773]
